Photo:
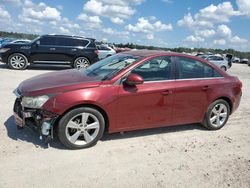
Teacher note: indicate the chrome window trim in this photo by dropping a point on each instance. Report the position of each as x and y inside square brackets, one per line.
[87, 44]
[207, 78]
[119, 81]
[68, 46]
[184, 79]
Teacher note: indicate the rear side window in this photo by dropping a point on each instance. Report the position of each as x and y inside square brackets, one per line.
[189, 68]
[64, 41]
[92, 44]
[80, 42]
[101, 47]
[47, 41]
[216, 58]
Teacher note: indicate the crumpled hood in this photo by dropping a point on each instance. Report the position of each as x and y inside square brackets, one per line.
[54, 82]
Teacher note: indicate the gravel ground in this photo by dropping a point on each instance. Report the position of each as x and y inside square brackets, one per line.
[181, 156]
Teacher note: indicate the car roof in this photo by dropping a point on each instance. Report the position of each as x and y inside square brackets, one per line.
[70, 36]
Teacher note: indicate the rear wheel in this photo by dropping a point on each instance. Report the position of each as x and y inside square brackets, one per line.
[224, 68]
[17, 61]
[217, 115]
[81, 62]
[81, 128]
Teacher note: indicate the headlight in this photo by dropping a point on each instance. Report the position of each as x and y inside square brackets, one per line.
[3, 50]
[34, 102]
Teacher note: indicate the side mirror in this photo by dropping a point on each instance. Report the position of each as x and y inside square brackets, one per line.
[37, 42]
[134, 79]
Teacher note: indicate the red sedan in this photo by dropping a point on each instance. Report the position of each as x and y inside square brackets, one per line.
[128, 91]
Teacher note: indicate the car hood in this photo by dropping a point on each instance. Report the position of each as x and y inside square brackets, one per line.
[56, 82]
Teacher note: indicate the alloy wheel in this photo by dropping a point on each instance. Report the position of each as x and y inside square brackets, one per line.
[82, 129]
[218, 115]
[17, 62]
[81, 63]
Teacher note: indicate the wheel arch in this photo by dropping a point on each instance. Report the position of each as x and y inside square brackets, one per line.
[228, 100]
[25, 55]
[81, 56]
[101, 110]
[78, 56]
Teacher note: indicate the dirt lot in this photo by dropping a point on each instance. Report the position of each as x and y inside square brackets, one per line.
[183, 156]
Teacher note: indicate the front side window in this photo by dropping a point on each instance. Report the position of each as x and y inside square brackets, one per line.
[189, 68]
[156, 69]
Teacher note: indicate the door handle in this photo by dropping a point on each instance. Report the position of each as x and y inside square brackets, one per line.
[73, 49]
[52, 49]
[167, 92]
[205, 88]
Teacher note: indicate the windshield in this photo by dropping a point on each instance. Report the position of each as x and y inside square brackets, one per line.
[109, 67]
[35, 39]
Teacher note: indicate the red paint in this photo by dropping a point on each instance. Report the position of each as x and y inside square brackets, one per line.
[131, 107]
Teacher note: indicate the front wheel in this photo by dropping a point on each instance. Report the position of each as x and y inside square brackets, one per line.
[81, 128]
[81, 62]
[17, 61]
[217, 115]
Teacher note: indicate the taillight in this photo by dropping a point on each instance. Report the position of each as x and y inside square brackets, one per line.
[96, 52]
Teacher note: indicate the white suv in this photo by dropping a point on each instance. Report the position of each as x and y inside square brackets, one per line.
[220, 61]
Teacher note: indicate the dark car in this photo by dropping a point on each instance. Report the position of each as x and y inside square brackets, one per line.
[127, 91]
[80, 52]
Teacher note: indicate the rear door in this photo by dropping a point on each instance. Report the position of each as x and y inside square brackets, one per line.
[194, 83]
[66, 49]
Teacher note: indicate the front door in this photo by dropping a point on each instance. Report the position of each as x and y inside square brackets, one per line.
[43, 49]
[149, 104]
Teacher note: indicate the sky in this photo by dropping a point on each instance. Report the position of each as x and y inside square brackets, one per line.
[164, 23]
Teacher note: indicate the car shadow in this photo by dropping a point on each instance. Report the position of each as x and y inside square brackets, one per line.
[45, 67]
[153, 131]
[28, 135]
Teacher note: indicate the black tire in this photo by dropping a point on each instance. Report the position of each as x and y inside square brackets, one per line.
[62, 126]
[21, 61]
[207, 119]
[224, 68]
[81, 62]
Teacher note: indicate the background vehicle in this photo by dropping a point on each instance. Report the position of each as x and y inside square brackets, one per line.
[236, 60]
[5, 41]
[105, 51]
[219, 61]
[21, 41]
[244, 61]
[77, 51]
[127, 91]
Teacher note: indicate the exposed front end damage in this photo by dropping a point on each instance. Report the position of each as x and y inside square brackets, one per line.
[39, 120]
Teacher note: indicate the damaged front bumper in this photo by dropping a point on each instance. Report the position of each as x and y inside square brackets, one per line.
[39, 120]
